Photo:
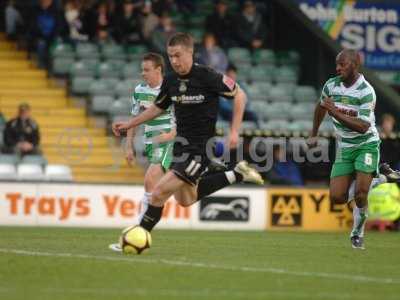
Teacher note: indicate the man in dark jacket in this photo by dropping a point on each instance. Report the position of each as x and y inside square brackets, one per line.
[220, 24]
[21, 134]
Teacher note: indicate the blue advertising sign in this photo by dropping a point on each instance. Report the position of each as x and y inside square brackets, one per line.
[371, 27]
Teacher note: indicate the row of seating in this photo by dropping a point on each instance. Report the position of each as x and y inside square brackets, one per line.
[34, 172]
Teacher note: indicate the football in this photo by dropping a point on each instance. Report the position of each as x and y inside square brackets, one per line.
[135, 240]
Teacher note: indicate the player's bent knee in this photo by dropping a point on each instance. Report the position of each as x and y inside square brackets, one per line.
[338, 198]
[361, 195]
[158, 197]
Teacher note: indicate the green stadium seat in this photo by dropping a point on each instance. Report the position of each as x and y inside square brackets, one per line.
[124, 88]
[100, 87]
[255, 92]
[301, 125]
[62, 50]
[288, 57]
[279, 124]
[113, 51]
[87, 50]
[101, 104]
[302, 111]
[279, 93]
[197, 34]
[11, 159]
[107, 70]
[285, 75]
[121, 107]
[62, 65]
[277, 110]
[264, 57]
[326, 126]
[84, 67]
[136, 52]
[262, 73]
[34, 160]
[239, 55]
[305, 93]
[80, 84]
[132, 70]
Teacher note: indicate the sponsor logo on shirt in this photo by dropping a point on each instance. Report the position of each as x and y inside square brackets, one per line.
[229, 82]
[188, 99]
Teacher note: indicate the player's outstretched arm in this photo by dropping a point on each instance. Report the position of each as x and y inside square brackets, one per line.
[239, 104]
[150, 113]
[319, 115]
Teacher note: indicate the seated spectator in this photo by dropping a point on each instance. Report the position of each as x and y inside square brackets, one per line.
[161, 34]
[21, 134]
[73, 14]
[284, 170]
[148, 20]
[211, 55]
[390, 146]
[46, 25]
[127, 23]
[250, 27]
[220, 24]
[226, 106]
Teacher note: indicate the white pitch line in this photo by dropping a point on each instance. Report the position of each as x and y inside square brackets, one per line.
[357, 278]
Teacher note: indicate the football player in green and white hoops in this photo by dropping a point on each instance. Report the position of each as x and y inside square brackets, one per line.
[350, 100]
[159, 133]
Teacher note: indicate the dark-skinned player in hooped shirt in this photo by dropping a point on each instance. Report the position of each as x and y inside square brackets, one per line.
[193, 90]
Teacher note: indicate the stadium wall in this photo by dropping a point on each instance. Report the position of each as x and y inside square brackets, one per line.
[81, 205]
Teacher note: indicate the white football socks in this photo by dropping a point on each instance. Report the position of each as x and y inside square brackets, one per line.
[359, 217]
[144, 205]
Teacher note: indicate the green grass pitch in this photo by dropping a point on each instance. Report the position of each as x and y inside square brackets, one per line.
[60, 263]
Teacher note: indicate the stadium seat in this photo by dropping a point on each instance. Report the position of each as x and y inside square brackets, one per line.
[256, 92]
[7, 172]
[101, 104]
[136, 52]
[326, 126]
[34, 160]
[121, 106]
[11, 159]
[280, 124]
[81, 84]
[84, 67]
[124, 88]
[262, 73]
[279, 94]
[87, 50]
[58, 173]
[259, 107]
[112, 51]
[277, 110]
[285, 75]
[264, 57]
[222, 125]
[239, 55]
[288, 57]
[302, 111]
[305, 93]
[132, 70]
[30, 172]
[62, 65]
[301, 125]
[100, 87]
[107, 70]
[62, 50]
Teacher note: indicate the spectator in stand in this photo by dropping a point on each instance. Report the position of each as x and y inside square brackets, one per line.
[13, 20]
[250, 27]
[21, 134]
[73, 14]
[284, 170]
[149, 20]
[220, 24]
[46, 25]
[162, 6]
[225, 106]
[161, 34]
[127, 23]
[211, 55]
[390, 144]
[98, 22]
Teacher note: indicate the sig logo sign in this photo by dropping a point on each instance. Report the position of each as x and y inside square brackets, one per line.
[306, 209]
[225, 209]
[371, 27]
[286, 210]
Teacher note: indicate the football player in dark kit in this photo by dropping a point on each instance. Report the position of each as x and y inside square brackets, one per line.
[193, 90]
